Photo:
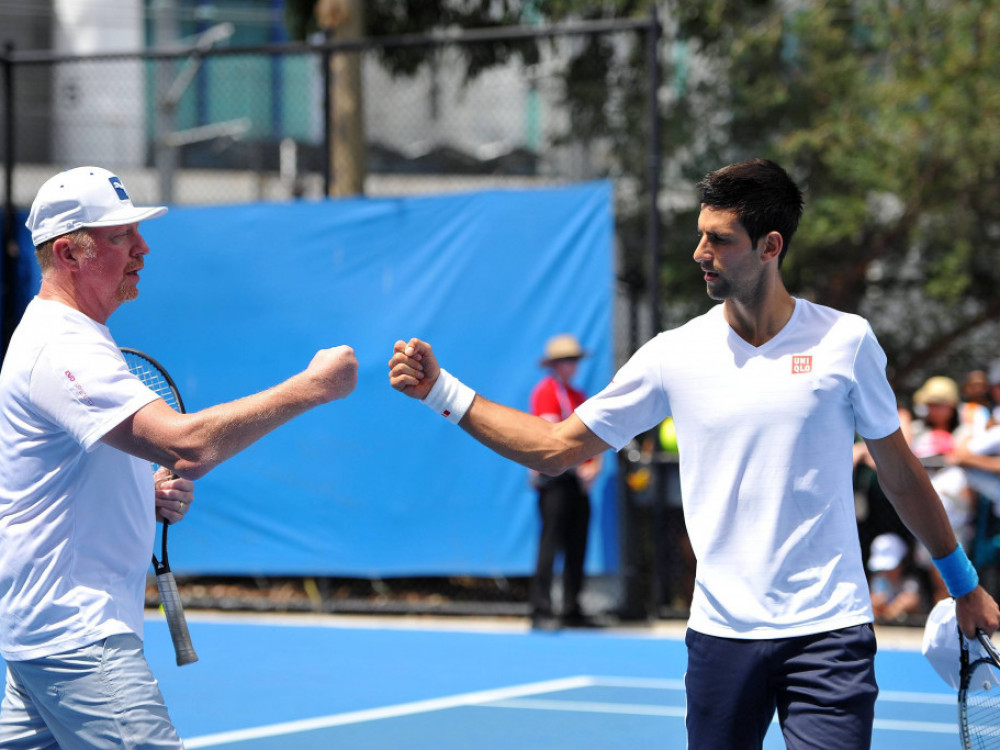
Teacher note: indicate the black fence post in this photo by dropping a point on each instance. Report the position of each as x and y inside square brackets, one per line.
[327, 117]
[637, 595]
[655, 158]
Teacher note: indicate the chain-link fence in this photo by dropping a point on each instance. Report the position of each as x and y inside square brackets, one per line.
[227, 124]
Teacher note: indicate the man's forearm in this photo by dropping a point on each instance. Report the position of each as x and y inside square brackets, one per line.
[975, 461]
[529, 440]
[909, 489]
[220, 432]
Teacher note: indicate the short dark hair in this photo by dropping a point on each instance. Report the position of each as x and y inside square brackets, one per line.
[761, 193]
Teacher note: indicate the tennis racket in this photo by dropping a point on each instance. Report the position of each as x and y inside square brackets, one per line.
[152, 374]
[979, 697]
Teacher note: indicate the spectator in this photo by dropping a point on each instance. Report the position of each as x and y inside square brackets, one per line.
[564, 500]
[936, 403]
[895, 591]
[979, 456]
[974, 412]
[993, 379]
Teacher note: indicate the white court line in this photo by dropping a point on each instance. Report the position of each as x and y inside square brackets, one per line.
[513, 697]
[899, 696]
[901, 725]
[887, 696]
[590, 707]
[387, 712]
[653, 683]
[638, 709]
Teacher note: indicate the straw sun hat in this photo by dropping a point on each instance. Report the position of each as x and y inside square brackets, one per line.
[563, 346]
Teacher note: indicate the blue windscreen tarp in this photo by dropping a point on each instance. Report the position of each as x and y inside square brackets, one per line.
[236, 299]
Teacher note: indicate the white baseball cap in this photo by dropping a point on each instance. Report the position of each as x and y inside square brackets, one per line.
[887, 552]
[941, 646]
[83, 197]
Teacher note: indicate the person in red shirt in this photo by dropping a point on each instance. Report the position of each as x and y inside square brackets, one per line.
[563, 501]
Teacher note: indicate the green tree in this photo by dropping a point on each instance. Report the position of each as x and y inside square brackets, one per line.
[401, 17]
[887, 113]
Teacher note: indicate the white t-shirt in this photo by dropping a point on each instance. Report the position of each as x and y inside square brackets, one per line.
[765, 437]
[76, 516]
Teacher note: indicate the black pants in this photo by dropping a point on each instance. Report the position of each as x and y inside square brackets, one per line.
[565, 512]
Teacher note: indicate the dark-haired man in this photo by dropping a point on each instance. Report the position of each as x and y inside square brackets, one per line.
[766, 392]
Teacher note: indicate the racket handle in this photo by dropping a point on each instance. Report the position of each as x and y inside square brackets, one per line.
[176, 622]
[991, 650]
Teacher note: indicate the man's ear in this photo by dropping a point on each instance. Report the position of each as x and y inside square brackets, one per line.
[66, 252]
[770, 246]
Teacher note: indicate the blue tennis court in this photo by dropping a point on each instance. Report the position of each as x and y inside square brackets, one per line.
[355, 683]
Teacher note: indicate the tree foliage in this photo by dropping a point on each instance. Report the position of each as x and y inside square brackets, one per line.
[404, 17]
[887, 113]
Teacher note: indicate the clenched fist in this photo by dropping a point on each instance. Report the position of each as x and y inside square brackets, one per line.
[334, 372]
[413, 368]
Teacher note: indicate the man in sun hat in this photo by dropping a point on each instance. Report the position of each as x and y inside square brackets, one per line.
[78, 503]
[563, 500]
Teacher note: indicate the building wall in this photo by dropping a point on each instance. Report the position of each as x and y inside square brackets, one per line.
[29, 26]
[100, 104]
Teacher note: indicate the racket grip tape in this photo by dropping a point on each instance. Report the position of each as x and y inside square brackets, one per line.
[176, 622]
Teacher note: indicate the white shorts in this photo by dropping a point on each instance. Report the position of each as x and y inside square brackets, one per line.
[94, 697]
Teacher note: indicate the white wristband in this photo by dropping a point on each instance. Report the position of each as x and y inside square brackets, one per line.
[450, 397]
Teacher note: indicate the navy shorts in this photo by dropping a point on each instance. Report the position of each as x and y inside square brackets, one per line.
[822, 687]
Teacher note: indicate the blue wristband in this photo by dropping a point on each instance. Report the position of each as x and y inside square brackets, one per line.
[958, 572]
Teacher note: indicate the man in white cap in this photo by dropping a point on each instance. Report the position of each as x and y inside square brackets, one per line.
[564, 500]
[78, 504]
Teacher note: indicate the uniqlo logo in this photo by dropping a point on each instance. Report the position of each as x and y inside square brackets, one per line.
[801, 363]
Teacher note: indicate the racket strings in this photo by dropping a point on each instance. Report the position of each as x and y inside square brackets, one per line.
[151, 374]
[153, 379]
[982, 706]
